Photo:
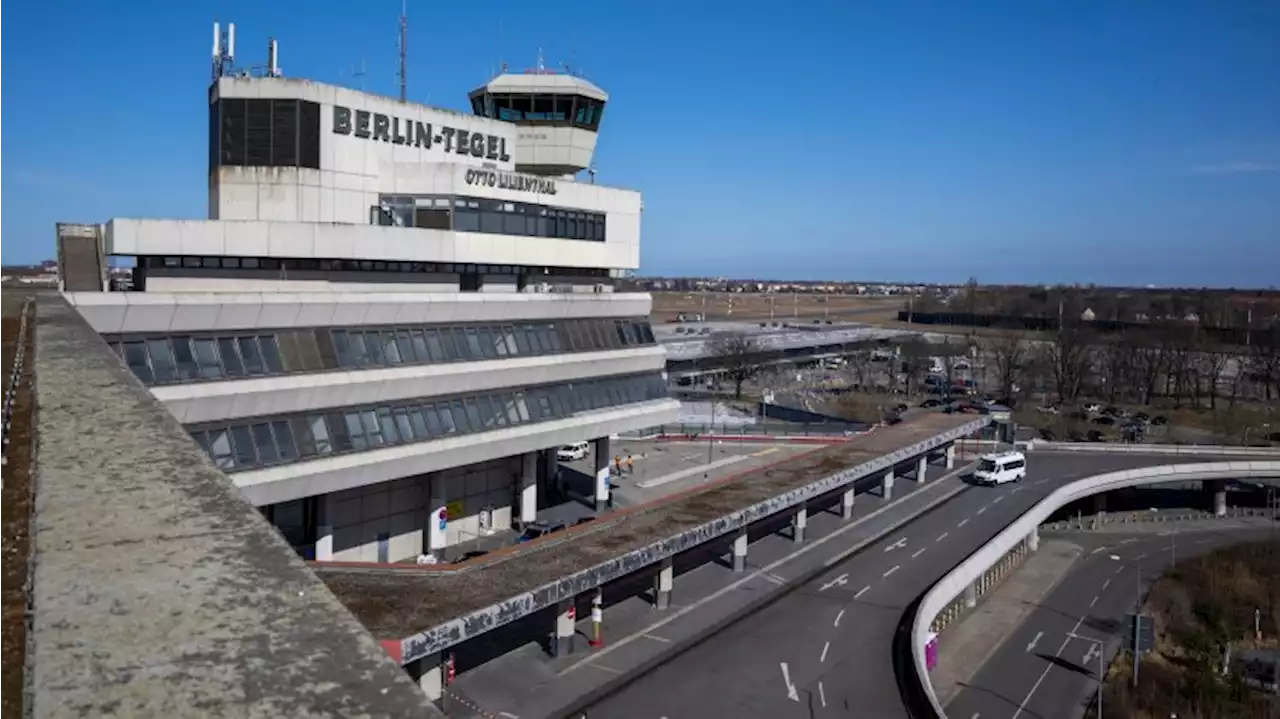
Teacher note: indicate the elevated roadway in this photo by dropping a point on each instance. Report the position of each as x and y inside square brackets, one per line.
[826, 648]
[1048, 667]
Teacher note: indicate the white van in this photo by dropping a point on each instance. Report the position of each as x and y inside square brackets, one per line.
[1001, 468]
[572, 452]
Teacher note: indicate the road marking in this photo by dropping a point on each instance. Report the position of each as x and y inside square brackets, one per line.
[602, 667]
[1035, 641]
[509, 715]
[1119, 569]
[825, 648]
[839, 581]
[1094, 651]
[998, 500]
[1128, 541]
[1140, 556]
[982, 509]
[840, 616]
[963, 522]
[736, 585]
[690, 471]
[861, 592]
[941, 537]
[1106, 584]
[1041, 481]
[1093, 602]
[902, 542]
[764, 452]
[773, 578]
[786, 679]
[1022, 707]
[891, 571]
[1103, 548]
[918, 552]
[822, 695]
[975, 716]
[656, 638]
[1015, 490]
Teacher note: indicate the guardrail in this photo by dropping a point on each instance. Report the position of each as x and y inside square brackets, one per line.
[1174, 449]
[951, 586]
[15, 374]
[763, 429]
[469, 626]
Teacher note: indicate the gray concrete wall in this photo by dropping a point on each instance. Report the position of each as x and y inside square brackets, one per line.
[158, 591]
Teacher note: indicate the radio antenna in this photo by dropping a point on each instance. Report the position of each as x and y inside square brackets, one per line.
[404, 49]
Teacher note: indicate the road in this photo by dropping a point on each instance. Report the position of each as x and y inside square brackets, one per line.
[825, 648]
[1040, 672]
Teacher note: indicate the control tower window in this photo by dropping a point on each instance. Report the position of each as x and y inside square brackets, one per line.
[265, 133]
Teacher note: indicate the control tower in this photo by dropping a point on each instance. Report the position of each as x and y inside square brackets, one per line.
[558, 116]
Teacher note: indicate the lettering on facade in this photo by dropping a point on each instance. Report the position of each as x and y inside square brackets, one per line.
[511, 181]
[400, 131]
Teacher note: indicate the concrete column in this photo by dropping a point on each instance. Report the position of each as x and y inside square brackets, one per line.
[437, 518]
[740, 550]
[565, 621]
[430, 671]
[951, 456]
[1033, 539]
[971, 596]
[846, 504]
[663, 581]
[922, 468]
[886, 486]
[1220, 503]
[603, 457]
[324, 530]
[798, 523]
[529, 487]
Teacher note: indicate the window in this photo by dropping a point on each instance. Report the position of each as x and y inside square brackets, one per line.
[207, 357]
[355, 430]
[284, 441]
[230, 357]
[242, 443]
[220, 449]
[270, 353]
[404, 347]
[161, 360]
[185, 359]
[265, 133]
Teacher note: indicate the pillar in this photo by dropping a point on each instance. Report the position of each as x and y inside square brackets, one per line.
[1220, 502]
[740, 550]
[951, 456]
[1033, 539]
[437, 518]
[798, 523]
[529, 487]
[846, 504]
[603, 458]
[430, 671]
[663, 581]
[886, 486]
[565, 620]
[971, 595]
[922, 467]
[324, 530]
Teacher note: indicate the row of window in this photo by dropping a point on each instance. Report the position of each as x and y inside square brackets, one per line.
[264, 133]
[474, 214]
[189, 358]
[253, 443]
[327, 265]
[575, 110]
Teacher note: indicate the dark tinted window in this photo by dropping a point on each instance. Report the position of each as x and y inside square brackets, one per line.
[257, 123]
[308, 134]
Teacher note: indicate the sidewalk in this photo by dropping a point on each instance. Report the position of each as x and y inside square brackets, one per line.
[968, 644]
[528, 684]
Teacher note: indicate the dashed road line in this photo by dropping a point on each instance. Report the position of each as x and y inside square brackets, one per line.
[773, 578]
[825, 648]
[1106, 584]
[963, 522]
[891, 571]
[1093, 602]
[604, 668]
[941, 537]
[1118, 570]
[998, 500]
[840, 616]
[657, 638]
[918, 552]
[822, 695]
[861, 592]
[1140, 556]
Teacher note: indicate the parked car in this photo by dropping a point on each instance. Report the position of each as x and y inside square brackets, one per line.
[572, 452]
[930, 403]
[1095, 435]
[1104, 420]
[1159, 420]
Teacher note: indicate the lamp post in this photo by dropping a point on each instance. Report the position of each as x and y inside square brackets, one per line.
[1137, 613]
[1097, 644]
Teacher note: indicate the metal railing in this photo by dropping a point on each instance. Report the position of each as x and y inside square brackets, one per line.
[764, 429]
[15, 375]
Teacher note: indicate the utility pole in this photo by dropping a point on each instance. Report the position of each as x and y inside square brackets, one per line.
[1137, 623]
[404, 47]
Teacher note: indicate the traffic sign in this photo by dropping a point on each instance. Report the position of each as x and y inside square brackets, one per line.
[1143, 628]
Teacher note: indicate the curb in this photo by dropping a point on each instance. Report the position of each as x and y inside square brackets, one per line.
[577, 706]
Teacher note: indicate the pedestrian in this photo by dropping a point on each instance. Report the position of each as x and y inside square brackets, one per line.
[617, 463]
[630, 467]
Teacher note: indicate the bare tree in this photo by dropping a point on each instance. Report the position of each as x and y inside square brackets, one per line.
[736, 355]
[1070, 360]
[1211, 367]
[859, 365]
[1011, 355]
[915, 358]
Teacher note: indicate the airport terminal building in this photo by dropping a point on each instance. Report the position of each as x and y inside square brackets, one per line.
[393, 313]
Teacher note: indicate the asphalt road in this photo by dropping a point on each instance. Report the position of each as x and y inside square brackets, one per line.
[1040, 672]
[825, 648]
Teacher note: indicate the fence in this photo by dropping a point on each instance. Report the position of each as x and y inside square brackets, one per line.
[763, 429]
[15, 375]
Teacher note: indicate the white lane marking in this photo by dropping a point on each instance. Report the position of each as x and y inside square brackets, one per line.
[1035, 641]
[1128, 541]
[982, 509]
[891, 571]
[941, 537]
[1093, 602]
[1015, 490]
[509, 715]
[1023, 706]
[1106, 584]
[603, 668]
[998, 500]
[1040, 481]
[825, 648]
[773, 578]
[975, 716]
[1089, 655]
[839, 557]
[902, 542]
[839, 581]
[1103, 548]
[657, 638]
[822, 695]
[786, 679]
[1140, 556]
[1119, 569]
[840, 616]
[917, 553]
[861, 592]
[963, 522]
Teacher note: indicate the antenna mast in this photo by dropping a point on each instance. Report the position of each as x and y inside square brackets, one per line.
[404, 37]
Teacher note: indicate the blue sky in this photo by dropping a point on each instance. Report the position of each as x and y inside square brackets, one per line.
[1105, 141]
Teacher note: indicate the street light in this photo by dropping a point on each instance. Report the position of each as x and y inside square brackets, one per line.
[1098, 644]
[1137, 613]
